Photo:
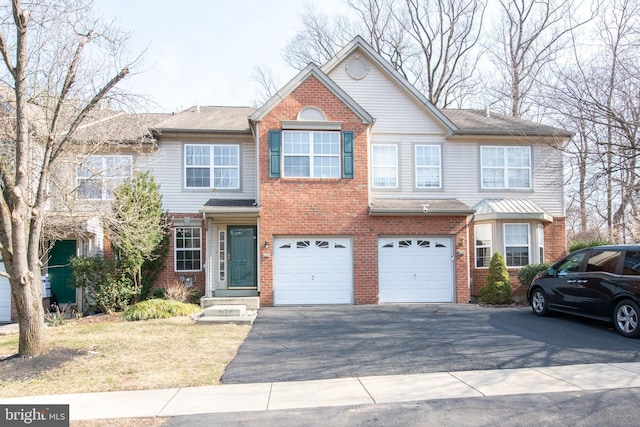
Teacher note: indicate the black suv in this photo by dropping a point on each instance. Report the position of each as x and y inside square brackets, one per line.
[602, 282]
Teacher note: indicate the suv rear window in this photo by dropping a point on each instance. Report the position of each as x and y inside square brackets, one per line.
[632, 263]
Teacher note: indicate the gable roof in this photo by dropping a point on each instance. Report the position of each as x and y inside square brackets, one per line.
[207, 119]
[311, 70]
[358, 43]
[481, 122]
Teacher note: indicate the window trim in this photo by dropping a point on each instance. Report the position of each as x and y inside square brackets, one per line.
[374, 166]
[540, 230]
[100, 175]
[528, 245]
[184, 249]
[476, 246]
[311, 155]
[212, 167]
[505, 168]
[439, 167]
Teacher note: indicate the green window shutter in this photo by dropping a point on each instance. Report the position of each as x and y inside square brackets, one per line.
[347, 154]
[274, 153]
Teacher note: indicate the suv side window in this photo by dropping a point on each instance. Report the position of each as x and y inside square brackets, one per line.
[603, 261]
[571, 264]
[632, 263]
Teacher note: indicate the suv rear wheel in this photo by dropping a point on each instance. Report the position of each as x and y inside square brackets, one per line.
[625, 318]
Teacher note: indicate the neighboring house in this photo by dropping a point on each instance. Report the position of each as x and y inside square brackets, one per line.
[349, 187]
[105, 152]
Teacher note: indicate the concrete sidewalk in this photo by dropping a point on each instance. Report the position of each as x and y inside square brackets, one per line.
[341, 392]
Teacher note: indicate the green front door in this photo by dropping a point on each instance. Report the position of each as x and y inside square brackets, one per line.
[60, 273]
[242, 256]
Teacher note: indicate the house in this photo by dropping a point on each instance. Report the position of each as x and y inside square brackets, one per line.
[346, 187]
[349, 187]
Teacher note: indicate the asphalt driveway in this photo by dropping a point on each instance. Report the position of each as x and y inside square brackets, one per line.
[319, 342]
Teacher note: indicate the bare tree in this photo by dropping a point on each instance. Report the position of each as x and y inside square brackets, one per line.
[527, 44]
[267, 82]
[604, 88]
[60, 63]
[431, 43]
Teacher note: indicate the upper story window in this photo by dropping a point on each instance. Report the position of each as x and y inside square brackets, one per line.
[98, 176]
[384, 166]
[212, 166]
[428, 166]
[506, 167]
[311, 154]
[516, 244]
[483, 235]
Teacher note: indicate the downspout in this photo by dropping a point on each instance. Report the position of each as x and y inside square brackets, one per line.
[256, 135]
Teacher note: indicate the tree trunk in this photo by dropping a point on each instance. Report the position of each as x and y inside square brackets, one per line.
[28, 301]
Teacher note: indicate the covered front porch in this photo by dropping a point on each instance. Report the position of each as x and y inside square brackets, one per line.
[232, 255]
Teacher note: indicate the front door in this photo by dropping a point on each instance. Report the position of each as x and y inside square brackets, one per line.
[60, 273]
[242, 256]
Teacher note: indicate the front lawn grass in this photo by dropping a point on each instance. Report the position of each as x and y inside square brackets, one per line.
[105, 353]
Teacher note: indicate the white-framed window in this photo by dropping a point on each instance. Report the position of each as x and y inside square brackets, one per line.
[188, 248]
[541, 243]
[428, 166]
[212, 166]
[97, 176]
[516, 244]
[311, 154]
[483, 234]
[384, 165]
[506, 167]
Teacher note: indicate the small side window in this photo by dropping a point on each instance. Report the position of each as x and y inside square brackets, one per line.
[571, 264]
[631, 265]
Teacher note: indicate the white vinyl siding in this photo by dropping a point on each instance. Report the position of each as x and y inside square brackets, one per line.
[428, 166]
[516, 244]
[166, 166]
[385, 166]
[393, 109]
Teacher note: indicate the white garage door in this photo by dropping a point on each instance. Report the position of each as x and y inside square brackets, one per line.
[313, 270]
[5, 297]
[415, 269]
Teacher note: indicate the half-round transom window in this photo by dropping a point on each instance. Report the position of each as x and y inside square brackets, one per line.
[311, 113]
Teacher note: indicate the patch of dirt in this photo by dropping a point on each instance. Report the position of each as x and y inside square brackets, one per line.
[23, 368]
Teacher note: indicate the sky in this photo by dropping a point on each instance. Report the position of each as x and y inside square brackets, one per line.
[203, 52]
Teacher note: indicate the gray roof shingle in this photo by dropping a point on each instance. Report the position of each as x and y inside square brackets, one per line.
[477, 122]
[213, 119]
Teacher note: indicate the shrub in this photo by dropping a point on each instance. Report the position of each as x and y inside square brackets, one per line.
[529, 272]
[107, 285]
[581, 244]
[498, 289]
[177, 291]
[158, 309]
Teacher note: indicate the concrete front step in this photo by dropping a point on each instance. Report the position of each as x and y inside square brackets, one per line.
[225, 310]
[252, 303]
[247, 319]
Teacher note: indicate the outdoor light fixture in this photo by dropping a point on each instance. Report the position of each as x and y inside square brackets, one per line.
[266, 244]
